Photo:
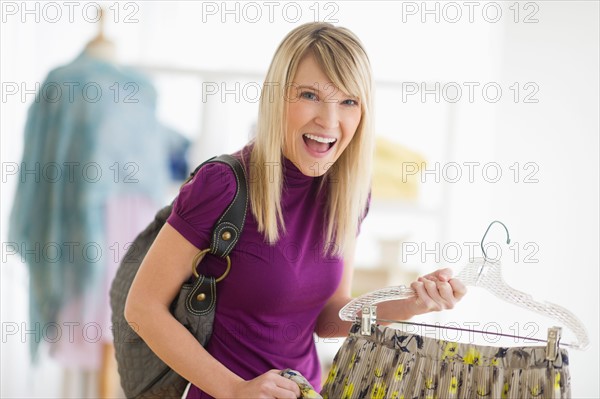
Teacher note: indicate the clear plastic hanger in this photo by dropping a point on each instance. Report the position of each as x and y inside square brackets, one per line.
[477, 273]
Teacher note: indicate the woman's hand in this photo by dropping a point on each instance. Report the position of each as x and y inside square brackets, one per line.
[435, 291]
[268, 385]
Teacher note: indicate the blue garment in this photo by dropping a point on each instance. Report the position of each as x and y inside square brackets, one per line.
[91, 133]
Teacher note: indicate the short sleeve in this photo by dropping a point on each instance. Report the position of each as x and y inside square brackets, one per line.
[202, 201]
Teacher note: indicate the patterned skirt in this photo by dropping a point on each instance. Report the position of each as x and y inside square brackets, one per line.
[393, 364]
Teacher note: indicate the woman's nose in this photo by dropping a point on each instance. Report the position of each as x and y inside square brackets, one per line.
[327, 116]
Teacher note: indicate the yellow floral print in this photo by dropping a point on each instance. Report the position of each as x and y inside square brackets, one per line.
[378, 391]
[348, 391]
[441, 369]
[429, 383]
[472, 357]
[449, 349]
[399, 373]
[331, 375]
[453, 385]
[481, 391]
[352, 361]
[505, 391]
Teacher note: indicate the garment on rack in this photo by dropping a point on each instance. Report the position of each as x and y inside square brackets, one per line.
[393, 364]
[91, 134]
[125, 217]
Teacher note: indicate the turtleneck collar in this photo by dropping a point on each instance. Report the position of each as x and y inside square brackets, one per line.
[293, 177]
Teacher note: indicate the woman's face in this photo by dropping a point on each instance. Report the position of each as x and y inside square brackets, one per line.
[321, 120]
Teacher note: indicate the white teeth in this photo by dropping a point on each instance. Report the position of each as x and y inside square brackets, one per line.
[320, 139]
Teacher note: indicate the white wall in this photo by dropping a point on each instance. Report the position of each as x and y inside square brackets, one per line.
[558, 135]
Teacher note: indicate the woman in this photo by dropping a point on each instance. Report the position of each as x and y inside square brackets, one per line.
[309, 180]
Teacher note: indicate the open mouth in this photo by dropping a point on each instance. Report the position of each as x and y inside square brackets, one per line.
[318, 144]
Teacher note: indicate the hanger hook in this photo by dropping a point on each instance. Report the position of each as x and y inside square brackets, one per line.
[488, 229]
[101, 22]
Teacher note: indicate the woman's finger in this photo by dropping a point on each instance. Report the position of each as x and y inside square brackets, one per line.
[440, 275]
[458, 288]
[424, 302]
[441, 293]
[447, 293]
[287, 385]
[281, 387]
[432, 291]
[282, 393]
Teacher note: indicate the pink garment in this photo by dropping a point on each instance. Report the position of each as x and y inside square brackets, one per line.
[83, 335]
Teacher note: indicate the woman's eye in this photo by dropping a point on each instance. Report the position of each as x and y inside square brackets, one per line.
[350, 102]
[308, 95]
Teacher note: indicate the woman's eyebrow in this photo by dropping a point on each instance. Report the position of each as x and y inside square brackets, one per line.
[315, 87]
[311, 87]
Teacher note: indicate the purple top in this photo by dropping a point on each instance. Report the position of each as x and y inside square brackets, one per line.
[267, 307]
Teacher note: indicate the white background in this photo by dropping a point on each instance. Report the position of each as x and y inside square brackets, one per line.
[555, 51]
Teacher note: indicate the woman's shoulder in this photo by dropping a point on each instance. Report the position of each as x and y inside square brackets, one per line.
[213, 182]
[216, 180]
[213, 174]
[202, 201]
[222, 173]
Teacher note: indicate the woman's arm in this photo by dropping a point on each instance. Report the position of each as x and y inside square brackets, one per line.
[435, 291]
[165, 268]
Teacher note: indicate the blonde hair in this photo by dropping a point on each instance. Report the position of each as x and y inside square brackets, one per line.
[344, 61]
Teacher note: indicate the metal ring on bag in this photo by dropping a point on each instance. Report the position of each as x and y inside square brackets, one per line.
[198, 258]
